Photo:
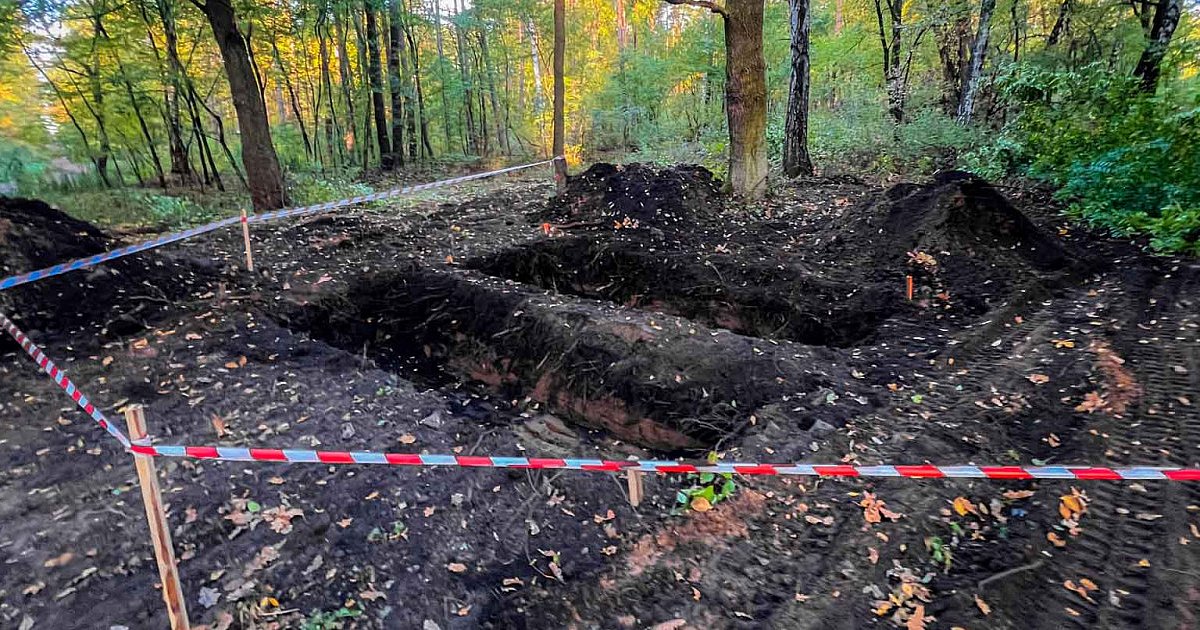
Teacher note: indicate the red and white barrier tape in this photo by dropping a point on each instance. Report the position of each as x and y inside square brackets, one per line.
[924, 471]
[927, 471]
[60, 378]
[84, 263]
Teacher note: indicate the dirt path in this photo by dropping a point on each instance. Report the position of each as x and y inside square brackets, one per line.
[434, 329]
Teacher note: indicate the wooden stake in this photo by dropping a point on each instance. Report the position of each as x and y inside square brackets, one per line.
[160, 531]
[634, 480]
[246, 239]
[910, 287]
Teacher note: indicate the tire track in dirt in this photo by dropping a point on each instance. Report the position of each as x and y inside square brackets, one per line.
[1128, 543]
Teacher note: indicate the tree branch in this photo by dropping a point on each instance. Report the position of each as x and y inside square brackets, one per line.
[703, 4]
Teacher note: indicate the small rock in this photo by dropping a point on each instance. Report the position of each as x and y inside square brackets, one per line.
[433, 420]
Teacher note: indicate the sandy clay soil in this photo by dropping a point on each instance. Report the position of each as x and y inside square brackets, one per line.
[656, 319]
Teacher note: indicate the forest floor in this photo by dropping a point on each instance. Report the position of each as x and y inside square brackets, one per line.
[657, 319]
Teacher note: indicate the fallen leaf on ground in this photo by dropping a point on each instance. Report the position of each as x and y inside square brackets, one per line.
[59, 560]
[963, 506]
[456, 567]
[983, 606]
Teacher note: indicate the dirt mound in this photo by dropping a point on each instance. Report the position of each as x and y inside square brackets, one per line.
[34, 235]
[958, 236]
[658, 196]
[747, 293]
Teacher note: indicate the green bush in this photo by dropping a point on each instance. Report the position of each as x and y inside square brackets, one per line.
[1123, 160]
[130, 207]
[310, 188]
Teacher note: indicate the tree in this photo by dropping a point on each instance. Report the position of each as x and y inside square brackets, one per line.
[1162, 28]
[375, 78]
[966, 105]
[745, 92]
[263, 175]
[560, 48]
[796, 160]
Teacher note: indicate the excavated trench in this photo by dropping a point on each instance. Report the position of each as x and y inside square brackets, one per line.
[659, 382]
[760, 299]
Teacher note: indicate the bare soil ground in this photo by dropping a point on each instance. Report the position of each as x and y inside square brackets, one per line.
[657, 319]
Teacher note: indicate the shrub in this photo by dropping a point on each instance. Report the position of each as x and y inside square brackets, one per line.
[1123, 160]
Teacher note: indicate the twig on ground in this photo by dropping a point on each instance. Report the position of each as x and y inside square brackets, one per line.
[1010, 572]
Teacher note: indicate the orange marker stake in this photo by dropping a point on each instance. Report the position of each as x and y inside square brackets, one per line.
[910, 287]
[546, 227]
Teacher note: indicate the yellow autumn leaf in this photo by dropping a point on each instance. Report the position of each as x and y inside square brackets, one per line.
[963, 506]
[700, 504]
[983, 606]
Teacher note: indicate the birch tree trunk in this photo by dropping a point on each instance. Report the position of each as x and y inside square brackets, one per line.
[966, 105]
[1162, 28]
[796, 160]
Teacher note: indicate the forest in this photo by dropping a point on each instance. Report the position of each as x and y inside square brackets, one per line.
[659, 314]
[1096, 98]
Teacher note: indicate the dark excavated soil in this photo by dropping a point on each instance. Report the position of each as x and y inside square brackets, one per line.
[772, 332]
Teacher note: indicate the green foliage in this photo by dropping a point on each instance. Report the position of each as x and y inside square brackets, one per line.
[1124, 160]
[308, 188]
[133, 208]
[329, 619]
[704, 491]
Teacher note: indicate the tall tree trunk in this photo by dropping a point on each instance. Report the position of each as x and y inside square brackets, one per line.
[142, 126]
[489, 75]
[414, 54]
[1061, 24]
[560, 53]
[893, 74]
[264, 177]
[346, 79]
[745, 93]
[966, 105]
[473, 145]
[397, 77]
[1162, 28]
[367, 145]
[375, 76]
[535, 55]
[839, 16]
[292, 100]
[97, 106]
[334, 145]
[796, 160]
[180, 166]
[746, 97]
[441, 73]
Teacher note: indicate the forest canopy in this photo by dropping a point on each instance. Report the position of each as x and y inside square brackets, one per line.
[1097, 98]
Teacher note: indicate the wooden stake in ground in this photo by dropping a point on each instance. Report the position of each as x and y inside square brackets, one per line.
[246, 239]
[160, 532]
[634, 479]
[909, 282]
